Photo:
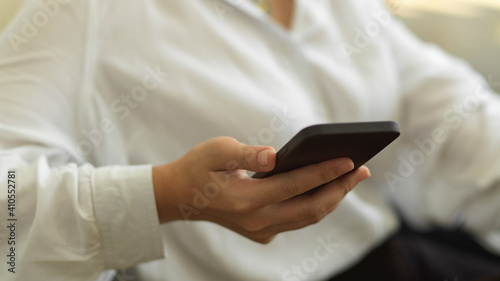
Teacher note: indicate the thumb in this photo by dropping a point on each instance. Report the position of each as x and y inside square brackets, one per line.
[231, 154]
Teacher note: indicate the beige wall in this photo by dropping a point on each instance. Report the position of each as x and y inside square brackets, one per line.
[468, 29]
[8, 8]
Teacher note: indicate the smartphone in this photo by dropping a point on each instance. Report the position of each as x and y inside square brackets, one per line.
[359, 141]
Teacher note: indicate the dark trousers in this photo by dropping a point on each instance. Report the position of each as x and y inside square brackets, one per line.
[431, 256]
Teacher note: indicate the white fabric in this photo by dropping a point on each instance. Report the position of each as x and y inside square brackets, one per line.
[98, 92]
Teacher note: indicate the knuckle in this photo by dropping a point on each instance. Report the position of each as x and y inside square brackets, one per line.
[217, 142]
[347, 186]
[253, 226]
[210, 148]
[325, 175]
[245, 157]
[266, 240]
[317, 213]
[243, 207]
[290, 186]
[213, 143]
[263, 238]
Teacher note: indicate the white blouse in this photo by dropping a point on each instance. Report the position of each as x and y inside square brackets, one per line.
[92, 93]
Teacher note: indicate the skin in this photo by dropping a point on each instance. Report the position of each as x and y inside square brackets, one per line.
[258, 209]
[282, 11]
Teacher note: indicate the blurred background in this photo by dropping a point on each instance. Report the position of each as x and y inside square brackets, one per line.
[465, 28]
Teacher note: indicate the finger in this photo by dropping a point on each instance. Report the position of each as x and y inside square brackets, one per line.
[257, 236]
[345, 183]
[320, 203]
[305, 210]
[297, 212]
[227, 154]
[286, 185]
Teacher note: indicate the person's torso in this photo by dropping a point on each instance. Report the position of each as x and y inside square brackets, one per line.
[171, 74]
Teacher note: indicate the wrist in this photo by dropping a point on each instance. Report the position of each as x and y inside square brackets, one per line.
[166, 196]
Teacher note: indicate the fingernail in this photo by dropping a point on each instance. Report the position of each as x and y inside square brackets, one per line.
[346, 167]
[363, 176]
[262, 158]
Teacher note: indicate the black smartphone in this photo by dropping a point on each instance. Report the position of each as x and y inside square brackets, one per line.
[359, 141]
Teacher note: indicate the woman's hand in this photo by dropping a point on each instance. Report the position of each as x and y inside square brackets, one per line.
[210, 183]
